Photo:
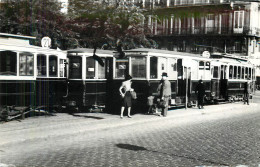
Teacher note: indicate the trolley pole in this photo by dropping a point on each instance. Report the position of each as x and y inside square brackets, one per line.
[186, 92]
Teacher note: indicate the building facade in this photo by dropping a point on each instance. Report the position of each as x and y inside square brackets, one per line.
[217, 26]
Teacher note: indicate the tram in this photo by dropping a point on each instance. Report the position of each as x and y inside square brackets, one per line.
[30, 76]
[229, 75]
[223, 77]
[88, 74]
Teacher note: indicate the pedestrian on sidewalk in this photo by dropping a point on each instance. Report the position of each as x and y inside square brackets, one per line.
[165, 91]
[124, 90]
[200, 91]
[246, 92]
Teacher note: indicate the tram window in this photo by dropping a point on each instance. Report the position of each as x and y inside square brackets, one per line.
[26, 64]
[249, 73]
[253, 74]
[230, 72]
[246, 73]
[207, 66]
[239, 73]
[153, 67]
[75, 67]
[101, 71]
[201, 65]
[235, 72]
[53, 63]
[90, 68]
[8, 63]
[121, 68]
[41, 65]
[179, 68]
[138, 67]
[215, 72]
[243, 73]
[171, 68]
[62, 68]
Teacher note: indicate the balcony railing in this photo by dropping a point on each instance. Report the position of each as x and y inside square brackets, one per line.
[172, 3]
[207, 30]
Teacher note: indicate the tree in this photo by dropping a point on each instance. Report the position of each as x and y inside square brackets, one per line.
[36, 18]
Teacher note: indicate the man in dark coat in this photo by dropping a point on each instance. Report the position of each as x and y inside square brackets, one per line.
[165, 91]
[246, 92]
[200, 90]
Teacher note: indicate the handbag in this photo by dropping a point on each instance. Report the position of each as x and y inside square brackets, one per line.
[162, 103]
[133, 94]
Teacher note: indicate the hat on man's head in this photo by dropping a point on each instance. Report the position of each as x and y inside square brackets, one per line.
[128, 77]
[164, 74]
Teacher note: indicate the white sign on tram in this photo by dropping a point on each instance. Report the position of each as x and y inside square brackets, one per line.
[206, 54]
[46, 42]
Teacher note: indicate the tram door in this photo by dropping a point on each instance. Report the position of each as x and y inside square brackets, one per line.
[223, 82]
[181, 82]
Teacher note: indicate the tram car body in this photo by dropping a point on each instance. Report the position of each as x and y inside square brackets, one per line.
[30, 76]
[146, 67]
[87, 79]
[184, 71]
[229, 75]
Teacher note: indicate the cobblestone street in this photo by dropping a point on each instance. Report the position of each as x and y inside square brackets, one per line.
[219, 135]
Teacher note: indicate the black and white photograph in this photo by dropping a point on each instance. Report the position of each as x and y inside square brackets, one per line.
[129, 83]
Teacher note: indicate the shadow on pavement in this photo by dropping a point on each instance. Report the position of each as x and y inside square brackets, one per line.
[138, 148]
[85, 116]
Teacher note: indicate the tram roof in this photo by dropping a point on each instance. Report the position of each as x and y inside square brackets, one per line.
[90, 51]
[16, 36]
[161, 51]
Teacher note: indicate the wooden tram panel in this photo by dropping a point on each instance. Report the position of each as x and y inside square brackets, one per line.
[87, 79]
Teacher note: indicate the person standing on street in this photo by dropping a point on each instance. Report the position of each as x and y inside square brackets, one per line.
[246, 92]
[165, 91]
[124, 90]
[200, 90]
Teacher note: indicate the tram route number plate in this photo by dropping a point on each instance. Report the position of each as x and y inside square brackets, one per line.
[46, 42]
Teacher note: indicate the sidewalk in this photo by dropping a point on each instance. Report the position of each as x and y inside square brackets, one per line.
[62, 124]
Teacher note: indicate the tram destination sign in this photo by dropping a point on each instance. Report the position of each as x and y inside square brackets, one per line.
[46, 42]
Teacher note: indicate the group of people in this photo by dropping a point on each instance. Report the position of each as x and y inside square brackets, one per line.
[164, 90]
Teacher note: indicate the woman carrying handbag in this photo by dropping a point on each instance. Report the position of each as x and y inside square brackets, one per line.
[125, 92]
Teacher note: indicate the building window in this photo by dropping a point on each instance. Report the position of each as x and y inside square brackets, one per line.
[8, 62]
[26, 64]
[53, 64]
[237, 47]
[238, 19]
[138, 67]
[41, 65]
